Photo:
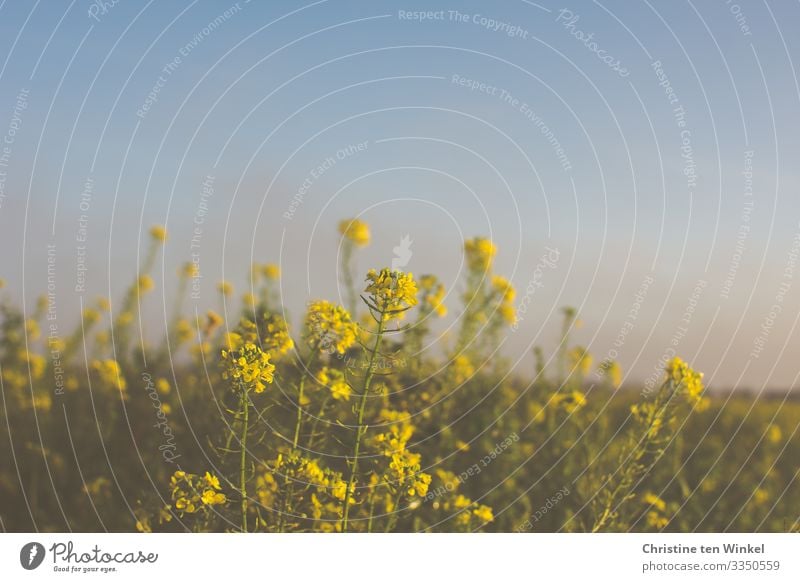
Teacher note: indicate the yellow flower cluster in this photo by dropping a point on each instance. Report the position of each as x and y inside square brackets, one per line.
[183, 331]
[326, 488]
[191, 493]
[271, 333]
[336, 382]
[580, 360]
[461, 368]
[656, 508]
[391, 292]
[613, 371]
[681, 374]
[471, 515]
[309, 472]
[433, 293]
[480, 253]
[110, 373]
[404, 471]
[32, 329]
[250, 366]
[355, 230]
[569, 401]
[399, 433]
[330, 327]
[503, 288]
[276, 338]
[404, 468]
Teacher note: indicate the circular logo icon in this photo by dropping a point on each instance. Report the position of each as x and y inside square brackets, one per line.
[31, 555]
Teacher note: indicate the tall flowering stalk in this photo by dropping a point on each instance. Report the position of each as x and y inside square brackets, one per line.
[249, 370]
[389, 295]
[655, 425]
[133, 297]
[355, 233]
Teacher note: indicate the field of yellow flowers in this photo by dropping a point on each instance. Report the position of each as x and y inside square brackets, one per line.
[346, 423]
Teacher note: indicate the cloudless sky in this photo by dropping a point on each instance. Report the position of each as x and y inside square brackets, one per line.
[459, 117]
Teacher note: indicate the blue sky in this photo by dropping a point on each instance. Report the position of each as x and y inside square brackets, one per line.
[459, 122]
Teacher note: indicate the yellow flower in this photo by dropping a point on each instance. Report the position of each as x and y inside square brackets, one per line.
[233, 340]
[774, 434]
[90, 316]
[211, 497]
[192, 492]
[225, 288]
[162, 385]
[212, 481]
[330, 327]
[271, 271]
[37, 365]
[250, 366]
[655, 501]
[103, 304]
[504, 287]
[483, 513]
[656, 521]
[391, 292]
[355, 230]
[190, 270]
[420, 485]
[508, 313]
[159, 233]
[480, 253]
[183, 330]
[145, 283]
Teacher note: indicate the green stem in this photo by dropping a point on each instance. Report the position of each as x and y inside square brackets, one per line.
[314, 426]
[347, 276]
[288, 485]
[371, 509]
[360, 429]
[393, 518]
[299, 412]
[243, 458]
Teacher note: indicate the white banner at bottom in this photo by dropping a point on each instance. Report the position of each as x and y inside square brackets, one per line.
[396, 557]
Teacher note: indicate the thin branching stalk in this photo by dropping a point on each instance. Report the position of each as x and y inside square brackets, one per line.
[245, 407]
[360, 428]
